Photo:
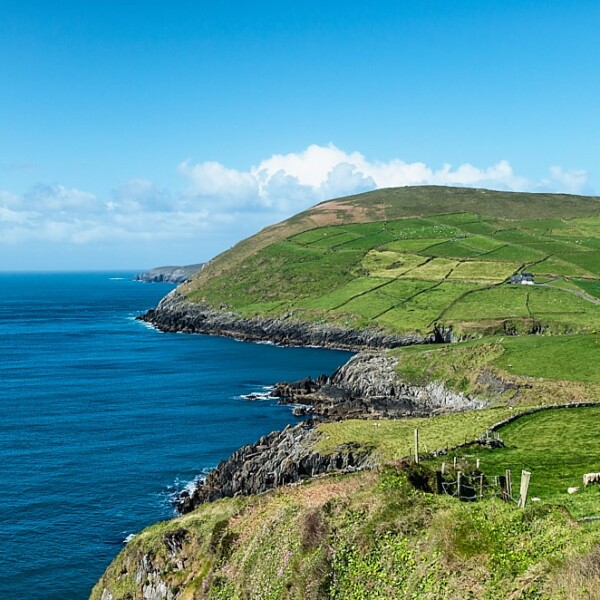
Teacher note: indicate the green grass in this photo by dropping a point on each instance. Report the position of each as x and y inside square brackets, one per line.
[484, 271]
[433, 270]
[367, 242]
[590, 287]
[589, 261]
[554, 266]
[424, 309]
[392, 440]
[319, 272]
[557, 446]
[571, 358]
[410, 229]
[481, 243]
[515, 236]
[451, 249]
[387, 263]
[377, 301]
[478, 228]
[513, 252]
[456, 218]
[494, 303]
[342, 294]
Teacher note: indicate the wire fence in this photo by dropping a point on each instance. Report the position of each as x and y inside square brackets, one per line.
[468, 483]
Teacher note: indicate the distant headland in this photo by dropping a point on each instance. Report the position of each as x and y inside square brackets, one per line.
[168, 274]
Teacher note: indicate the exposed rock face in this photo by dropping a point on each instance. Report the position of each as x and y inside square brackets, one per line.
[168, 274]
[175, 313]
[279, 458]
[148, 579]
[367, 386]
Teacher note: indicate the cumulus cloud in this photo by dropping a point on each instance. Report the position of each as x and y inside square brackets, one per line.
[59, 199]
[216, 198]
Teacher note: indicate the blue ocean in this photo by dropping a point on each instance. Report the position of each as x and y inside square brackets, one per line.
[102, 419]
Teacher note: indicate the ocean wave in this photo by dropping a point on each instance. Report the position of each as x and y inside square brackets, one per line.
[265, 393]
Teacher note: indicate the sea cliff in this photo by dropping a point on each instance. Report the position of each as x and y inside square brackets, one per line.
[176, 313]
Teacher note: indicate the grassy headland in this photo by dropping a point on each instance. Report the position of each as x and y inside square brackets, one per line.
[375, 535]
[406, 260]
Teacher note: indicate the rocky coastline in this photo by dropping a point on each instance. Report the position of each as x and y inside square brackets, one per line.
[365, 387]
[280, 458]
[176, 314]
[168, 274]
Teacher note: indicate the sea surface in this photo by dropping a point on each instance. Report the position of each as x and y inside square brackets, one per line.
[102, 419]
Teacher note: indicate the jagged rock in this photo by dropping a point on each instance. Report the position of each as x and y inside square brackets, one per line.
[168, 274]
[367, 386]
[175, 313]
[149, 579]
[279, 458]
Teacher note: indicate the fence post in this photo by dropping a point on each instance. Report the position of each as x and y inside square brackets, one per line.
[455, 462]
[439, 482]
[417, 446]
[459, 484]
[477, 464]
[508, 475]
[503, 491]
[443, 469]
[481, 485]
[525, 478]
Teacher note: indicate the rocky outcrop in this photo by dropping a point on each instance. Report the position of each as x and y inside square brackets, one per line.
[279, 458]
[168, 274]
[175, 313]
[368, 386]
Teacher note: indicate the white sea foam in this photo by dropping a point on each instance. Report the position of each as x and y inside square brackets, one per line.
[129, 538]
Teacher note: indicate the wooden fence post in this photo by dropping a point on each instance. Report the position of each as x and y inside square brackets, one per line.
[503, 490]
[481, 486]
[525, 478]
[508, 475]
[455, 462]
[439, 482]
[477, 464]
[459, 484]
[417, 446]
[443, 469]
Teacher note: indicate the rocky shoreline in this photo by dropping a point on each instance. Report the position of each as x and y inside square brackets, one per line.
[366, 386]
[168, 274]
[280, 458]
[175, 314]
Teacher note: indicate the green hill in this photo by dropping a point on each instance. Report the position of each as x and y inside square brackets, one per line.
[405, 260]
[383, 534]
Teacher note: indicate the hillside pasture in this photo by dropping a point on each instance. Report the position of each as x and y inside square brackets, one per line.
[457, 264]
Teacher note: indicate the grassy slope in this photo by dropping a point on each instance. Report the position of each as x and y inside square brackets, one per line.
[409, 258]
[372, 535]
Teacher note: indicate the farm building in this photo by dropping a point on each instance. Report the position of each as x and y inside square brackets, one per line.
[523, 279]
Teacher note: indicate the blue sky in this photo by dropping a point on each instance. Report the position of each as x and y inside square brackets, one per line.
[141, 133]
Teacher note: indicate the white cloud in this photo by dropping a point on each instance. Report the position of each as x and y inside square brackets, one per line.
[571, 181]
[212, 181]
[216, 200]
[140, 195]
[57, 198]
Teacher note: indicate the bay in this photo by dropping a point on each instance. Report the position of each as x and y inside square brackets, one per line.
[102, 419]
